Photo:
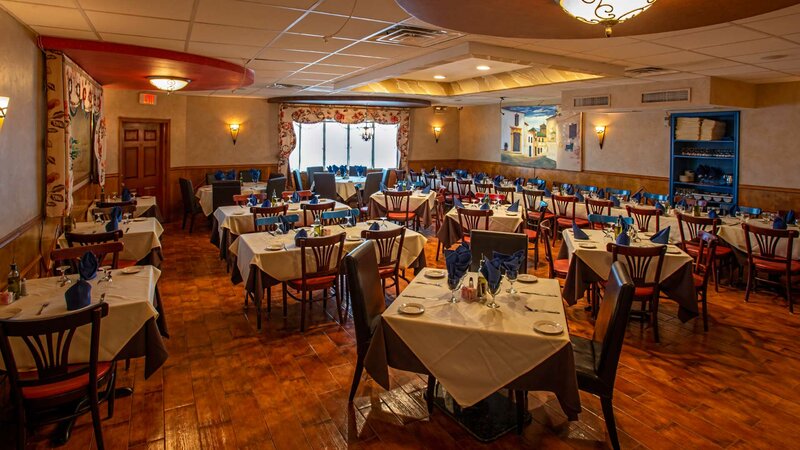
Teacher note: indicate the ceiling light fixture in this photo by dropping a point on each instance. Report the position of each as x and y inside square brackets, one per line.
[604, 12]
[483, 68]
[234, 128]
[439, 77]
[169, 84]
[367, 131]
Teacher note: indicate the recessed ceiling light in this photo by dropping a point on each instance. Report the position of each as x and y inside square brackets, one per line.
[439, 77]
[483, 68]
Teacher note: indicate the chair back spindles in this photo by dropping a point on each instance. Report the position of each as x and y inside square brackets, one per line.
[642, 217]
[564, 206]
[690, 226]
[638, 261]
[316, 210]
[473, 219]
[272, 211]
[389, 244]
[324, 252]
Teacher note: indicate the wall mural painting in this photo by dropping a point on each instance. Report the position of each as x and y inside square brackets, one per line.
[540, 137]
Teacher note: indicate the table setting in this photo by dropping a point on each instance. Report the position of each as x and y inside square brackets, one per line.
[141, 237]
[421, 202]
[505, 217]
[146, 206]
[346, 186]
[205, 195]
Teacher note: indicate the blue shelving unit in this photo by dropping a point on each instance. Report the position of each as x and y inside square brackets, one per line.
[719, 155]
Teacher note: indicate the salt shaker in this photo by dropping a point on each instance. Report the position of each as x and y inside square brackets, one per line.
[23, 287]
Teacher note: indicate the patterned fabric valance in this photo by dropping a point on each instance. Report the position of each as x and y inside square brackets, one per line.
[343, 114]
[76, 132]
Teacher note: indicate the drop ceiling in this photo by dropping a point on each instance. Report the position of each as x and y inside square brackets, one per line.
[282, 41]
[461, 70]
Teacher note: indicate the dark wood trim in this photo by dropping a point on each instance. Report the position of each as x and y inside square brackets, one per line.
[353, 100]
[166, 126]
[19, 231]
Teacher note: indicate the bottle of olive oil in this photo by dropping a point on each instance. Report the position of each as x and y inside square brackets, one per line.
[483, 285]
[14, 280]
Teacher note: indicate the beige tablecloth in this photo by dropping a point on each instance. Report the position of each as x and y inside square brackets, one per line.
[731, 232]
[140, 236]
[501, 220]
[131, 305]
[205, 195]
[473, 350]
[346, 187]
[145, 207]
[419, 203]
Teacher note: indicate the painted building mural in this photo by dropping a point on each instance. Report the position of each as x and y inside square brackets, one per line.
[540, 137]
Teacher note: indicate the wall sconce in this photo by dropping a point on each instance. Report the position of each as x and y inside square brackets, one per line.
[3, 107]
[234, 127]
[437, 131]
[601, 135]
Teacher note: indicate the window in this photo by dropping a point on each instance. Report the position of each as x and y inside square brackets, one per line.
[329, 142]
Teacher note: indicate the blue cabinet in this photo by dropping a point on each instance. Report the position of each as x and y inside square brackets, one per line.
[704, 157]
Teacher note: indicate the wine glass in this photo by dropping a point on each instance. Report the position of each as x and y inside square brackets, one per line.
[494, 290]
[98, 217]
[62, 270]
[453, 284]
[107, 271]
[383, 222]
[511, 275]
[127, 217]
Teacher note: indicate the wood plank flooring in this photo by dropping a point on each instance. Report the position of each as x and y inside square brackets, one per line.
[227, 385]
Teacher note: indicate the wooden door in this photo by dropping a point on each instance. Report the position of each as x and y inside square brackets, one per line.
[141, 157]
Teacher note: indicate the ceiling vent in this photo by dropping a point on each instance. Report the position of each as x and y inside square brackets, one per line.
[284, 86]
[650, 71]
[414, 36]
[676, 95]
[591, 102]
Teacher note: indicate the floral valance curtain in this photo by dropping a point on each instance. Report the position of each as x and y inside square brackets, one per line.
[344, 114]
[76, 131]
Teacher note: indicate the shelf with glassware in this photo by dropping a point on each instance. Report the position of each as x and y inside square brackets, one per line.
[706, 168]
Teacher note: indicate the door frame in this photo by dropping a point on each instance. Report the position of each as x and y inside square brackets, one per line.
[164, 126]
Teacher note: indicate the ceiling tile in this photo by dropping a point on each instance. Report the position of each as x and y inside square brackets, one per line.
[580, 45]
[223, 50]
[634, 50]
[168, 44]
[48, 16]
[326, 25]
[795, 9]
[717, 36]
[728, 71]
[223, 34]
[298, 4]
[795, 37]
[755, 75]
[62, 3]
[377, 50]
[386, 10]
[138, 26]
[758, 58]
[310, 43]
[314, 76]
[245, 14]
[171, 9]
[669, 59]
[290, 55]
[713, 63]
[65, 33]
[792, 64]
[747, 48]
[262, 64]
[330, 69]
[777, 26]
[355, 61]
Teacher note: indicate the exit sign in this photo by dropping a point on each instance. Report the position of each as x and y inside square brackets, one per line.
[147, 99]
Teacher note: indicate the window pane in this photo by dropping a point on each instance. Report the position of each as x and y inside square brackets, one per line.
[385, 145]
[310, 145]
[335, 143]
[360, 150]
[294, 157]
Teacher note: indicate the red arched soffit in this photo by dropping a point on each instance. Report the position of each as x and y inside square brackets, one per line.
[122, 66]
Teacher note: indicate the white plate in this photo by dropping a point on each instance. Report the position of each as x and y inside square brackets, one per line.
[435, 273]
[673, 250]
[8, 313]
[131, 270]
[140, 219]
[548, 327]
[412, 309]
[526, 278]
[274, 247]
[353, 238]
[511, 213]
[587, 245]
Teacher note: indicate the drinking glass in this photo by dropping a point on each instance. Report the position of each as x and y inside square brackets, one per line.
[127, 217]
[107, 271]
[98, 217]
[383, 222]
[62, 270]
[453, 284]
[511, 275]
[494, 291]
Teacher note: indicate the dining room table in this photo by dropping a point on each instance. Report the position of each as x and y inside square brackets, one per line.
[420, 203]
[501, 220]
[146, 206]
[264, 259]
[141, 238]
[346, 187]
[205, 194]
[590, 262]
[474, 351]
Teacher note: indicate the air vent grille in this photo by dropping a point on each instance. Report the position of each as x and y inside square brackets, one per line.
[414, 36]
[676, 95]
[589, 102]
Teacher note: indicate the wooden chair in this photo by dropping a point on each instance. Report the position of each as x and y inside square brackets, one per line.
[432, 179]
[506, 192]
[642, 217]
[49, 393]
[484, 187]
[690, 228]
[532, 229]
[399, 174]
[473, 219]
[105, 211]
[390, 246]
[304, 195]
[272, 211]
[625, 194]
[765, 259]
[558, 268]
[485, 243]
[464, 189]
[638, 261]
[71, 255]
[564, 206]
[320, 260]
[340, 217]
[532, 200]
[84, 240]
[315, 210]
[652, 199]
[703, 268]
[439, 218]
[191, 206]
[398, 204]
[244, 199]
[598, 206]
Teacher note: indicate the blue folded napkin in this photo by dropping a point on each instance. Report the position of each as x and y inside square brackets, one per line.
[510, 263]
[623, 239]
[547, 192]
[498, 179]
[266, 204]
[231, 175]
[114, 217]
[479, 177]
[579, 234]
[682, 203]
[382, 187]
[78, 296]
[426, 190]
[615, 200]
[601, 193]
[579, 196]
[543, 206]
[219, 175]
[514, 207]
[457, 203]
[660, 207]
[87, 266]
[733, 210]
[286, 224]
[252, 200]
[662, 237]
[519, 181]
[375, 226]
[570, 190]
[789, 216]
[295, 197]
[314, 200]
[255, 174]
[712, 214]
[457, 261]
[126, 194]
[779, 223]
[484, 206]
[519, 188]
[491, 271]
[637, 196]
[302, 233]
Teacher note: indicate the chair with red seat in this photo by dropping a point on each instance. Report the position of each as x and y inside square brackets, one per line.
[564, 206]
[260, 212]
[768, 256]
[492, 197]
[320, 258]
[600, 207]
[558, 268]
[642, 217]
[56, 390]
[464, 189]
[703, 267]
[244, 199]
[690, 228]
[507, 193]
[473, 219]
[390, 246]
[647, 281]
[534, 219]
[82, 240]
[398, 207]
[304, 195]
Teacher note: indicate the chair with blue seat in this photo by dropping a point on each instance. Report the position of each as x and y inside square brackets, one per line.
[624, 193]
[340, 217]
[652, 198]
[276, 220]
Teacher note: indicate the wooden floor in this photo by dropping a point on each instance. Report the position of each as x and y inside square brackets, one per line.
[227, 385]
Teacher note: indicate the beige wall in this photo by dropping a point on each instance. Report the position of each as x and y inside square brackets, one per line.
[21, 132]
[480, 133]
[636, 143]
[423, 145]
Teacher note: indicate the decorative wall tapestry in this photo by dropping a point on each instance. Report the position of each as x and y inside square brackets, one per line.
[344, 114]
[76, 132]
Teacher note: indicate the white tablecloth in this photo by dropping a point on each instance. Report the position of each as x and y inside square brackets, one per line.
[473, 350]
[414, 202]
[205, 195]
[130, 300]
[732, 233]
[140, 236]
[143, 204]
[345, 187]
[283, 265]
[501, 220]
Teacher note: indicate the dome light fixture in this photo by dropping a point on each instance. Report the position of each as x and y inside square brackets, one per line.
[439, 77]
[169, 84]
[604, 12]
[483, 68]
